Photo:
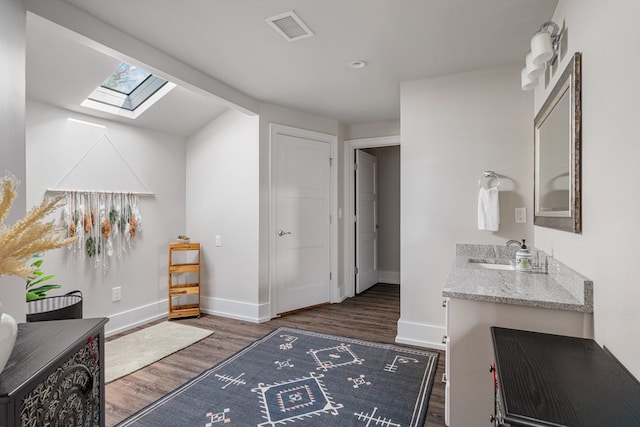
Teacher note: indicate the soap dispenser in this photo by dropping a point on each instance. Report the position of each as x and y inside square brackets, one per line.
[523, 258]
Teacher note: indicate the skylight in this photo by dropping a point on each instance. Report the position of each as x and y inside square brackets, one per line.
[126, 79]
[128, 92]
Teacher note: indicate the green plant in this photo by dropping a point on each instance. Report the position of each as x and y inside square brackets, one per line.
[37, 278]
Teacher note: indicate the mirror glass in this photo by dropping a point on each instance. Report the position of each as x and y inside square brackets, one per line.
[553, 173]
[557, 154]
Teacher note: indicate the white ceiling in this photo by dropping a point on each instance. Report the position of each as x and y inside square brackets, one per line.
[229, 40]
[63, 72]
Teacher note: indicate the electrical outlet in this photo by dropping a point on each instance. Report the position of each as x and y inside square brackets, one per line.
[116, 294]
[218, 241]
[521, 215]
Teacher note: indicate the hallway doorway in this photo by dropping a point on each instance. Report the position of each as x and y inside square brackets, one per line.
[384, 227]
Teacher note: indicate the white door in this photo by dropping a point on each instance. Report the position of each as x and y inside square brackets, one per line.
[366, 221]
[302, 196]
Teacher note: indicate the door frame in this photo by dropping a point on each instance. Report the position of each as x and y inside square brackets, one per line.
[349, 201]
[278, 129]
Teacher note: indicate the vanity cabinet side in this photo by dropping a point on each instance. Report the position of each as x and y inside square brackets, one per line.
[447, 355]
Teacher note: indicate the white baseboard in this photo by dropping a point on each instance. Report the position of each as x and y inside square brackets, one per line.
[420, 334]
[342, 294]
[120, 322]
[341, 299]
[254, 313]
[392, 277]
[129, 319]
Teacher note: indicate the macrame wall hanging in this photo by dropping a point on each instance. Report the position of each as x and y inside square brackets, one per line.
[107, 224]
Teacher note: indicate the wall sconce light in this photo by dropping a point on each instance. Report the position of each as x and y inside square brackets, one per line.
[544, 50]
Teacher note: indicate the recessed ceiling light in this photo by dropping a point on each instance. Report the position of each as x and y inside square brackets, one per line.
[357, 64]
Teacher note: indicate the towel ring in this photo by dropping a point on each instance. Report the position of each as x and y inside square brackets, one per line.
[489, 175]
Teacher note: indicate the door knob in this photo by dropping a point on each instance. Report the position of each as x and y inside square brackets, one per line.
[282, 233]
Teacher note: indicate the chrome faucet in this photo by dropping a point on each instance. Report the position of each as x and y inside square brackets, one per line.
[511, 242]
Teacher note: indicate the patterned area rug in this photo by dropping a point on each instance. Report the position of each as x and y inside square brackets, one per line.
[131, 352]
[295, 377]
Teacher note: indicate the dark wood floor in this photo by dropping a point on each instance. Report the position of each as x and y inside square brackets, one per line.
[371, 316]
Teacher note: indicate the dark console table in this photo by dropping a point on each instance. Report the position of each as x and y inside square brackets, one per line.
[55, 375]
[553, 380]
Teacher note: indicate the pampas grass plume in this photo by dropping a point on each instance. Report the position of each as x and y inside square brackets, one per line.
[28, 236]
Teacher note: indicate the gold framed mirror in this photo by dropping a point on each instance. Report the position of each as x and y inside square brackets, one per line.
[558, 139]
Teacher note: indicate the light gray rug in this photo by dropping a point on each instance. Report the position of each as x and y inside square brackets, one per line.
[131, 352]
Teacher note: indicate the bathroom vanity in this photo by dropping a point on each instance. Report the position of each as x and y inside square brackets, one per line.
[484, 290]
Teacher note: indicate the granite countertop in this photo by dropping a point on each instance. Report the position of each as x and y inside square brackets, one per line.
[559, 288]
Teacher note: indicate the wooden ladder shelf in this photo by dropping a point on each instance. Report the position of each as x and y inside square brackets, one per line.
[190, 270]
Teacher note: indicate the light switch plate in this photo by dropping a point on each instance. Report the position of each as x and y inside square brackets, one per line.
[116, 294]
[521, 215]
[218, 240]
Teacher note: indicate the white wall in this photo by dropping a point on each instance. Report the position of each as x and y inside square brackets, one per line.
[454, 127]
[274, 114]
[388, 212]
[372, 129]
[606, 252]
[54, 146]
[222, 199]
[12, 145]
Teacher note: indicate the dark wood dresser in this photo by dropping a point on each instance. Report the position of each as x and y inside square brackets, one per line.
[55, 375]
[553, 380]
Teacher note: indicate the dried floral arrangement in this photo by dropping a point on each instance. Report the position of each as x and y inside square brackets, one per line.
[28, 236]
[105, 223]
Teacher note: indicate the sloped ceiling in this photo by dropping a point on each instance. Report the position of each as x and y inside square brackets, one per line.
[63, 72]
[230, 41]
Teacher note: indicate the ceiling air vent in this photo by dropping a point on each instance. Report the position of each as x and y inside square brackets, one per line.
[290, 26]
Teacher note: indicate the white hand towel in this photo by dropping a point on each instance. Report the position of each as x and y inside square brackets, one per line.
[488, 209]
